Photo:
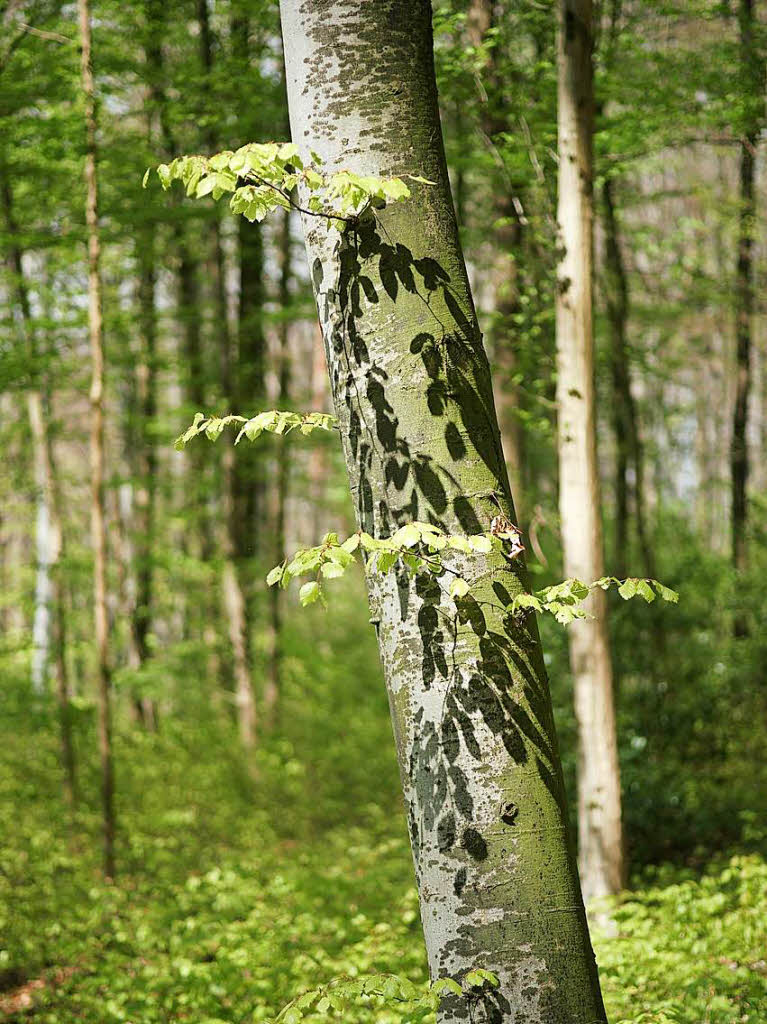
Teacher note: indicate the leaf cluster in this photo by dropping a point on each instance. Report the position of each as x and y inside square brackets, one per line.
[264, 176]
[418, 547]
[414, 1002]
[273, 421]
[565, 600]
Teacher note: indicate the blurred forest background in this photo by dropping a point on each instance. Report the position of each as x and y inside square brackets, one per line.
[260, 843]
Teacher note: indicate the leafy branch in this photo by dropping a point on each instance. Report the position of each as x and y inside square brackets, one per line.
[419, 547]
[262, 177]
[565, 600]
[416, 546]
[274, 421]
[417, 1002]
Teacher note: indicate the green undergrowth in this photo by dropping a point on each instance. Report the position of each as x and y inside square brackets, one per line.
[240, 889]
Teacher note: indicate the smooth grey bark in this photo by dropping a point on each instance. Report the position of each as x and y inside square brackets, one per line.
[411, 386]
[600, 849]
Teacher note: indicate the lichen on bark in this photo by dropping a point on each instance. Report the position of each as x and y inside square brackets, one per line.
[411, 385]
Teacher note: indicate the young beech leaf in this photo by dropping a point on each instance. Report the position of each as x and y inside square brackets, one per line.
[407, 536]
[275, 574]
[351, 543]
[628, 589]
[309, 593]
[332, 570]
[666, 592]
[459, 588]
[443, 985]
[385, 560]
[482, 543]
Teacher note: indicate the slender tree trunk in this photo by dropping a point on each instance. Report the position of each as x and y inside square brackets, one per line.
[239, 486]
[98, 511]
[599, 800]
[753, 83]
[146, 489]
[198, 515]
[628, 444]
[272, 688]
[508, 244]
[411, 385]
[49, 622]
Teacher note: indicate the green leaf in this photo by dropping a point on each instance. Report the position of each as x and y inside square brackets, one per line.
[481, 542]
[275, 575]
[309, 593]
[459, 588]
[628, 589]
[145, 179]
[459, 544]
[407, 536]
[395, 189]
[385, 560]
[164, 174]
[666, 592]
[332, 570]
[443, 985]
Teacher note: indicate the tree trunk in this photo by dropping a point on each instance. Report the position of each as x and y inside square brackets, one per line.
[752, 74]
[197, 511]
[240, 486]
[49, 621]
[599, 801]
[411, 386]
[98, 512]
[146, 386]
[628, 444]
[272, 688]
[508, 231]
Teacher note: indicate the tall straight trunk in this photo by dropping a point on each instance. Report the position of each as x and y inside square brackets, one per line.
[272, 688]
[599, 797]
[38, 422]
[628, 444]
[98, 510]
[508, 232]
[753, 83]
[412, 390]
[49, 621]
[239, 527]
[146, 491]
[144, 460]
[198, 517]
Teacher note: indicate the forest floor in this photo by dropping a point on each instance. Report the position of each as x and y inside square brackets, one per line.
[233, 896]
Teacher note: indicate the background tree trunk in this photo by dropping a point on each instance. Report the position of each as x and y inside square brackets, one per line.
[753, 83]
[628, 444]
[272, 687]
[98, 512]
[411, 386]
[599, 801]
